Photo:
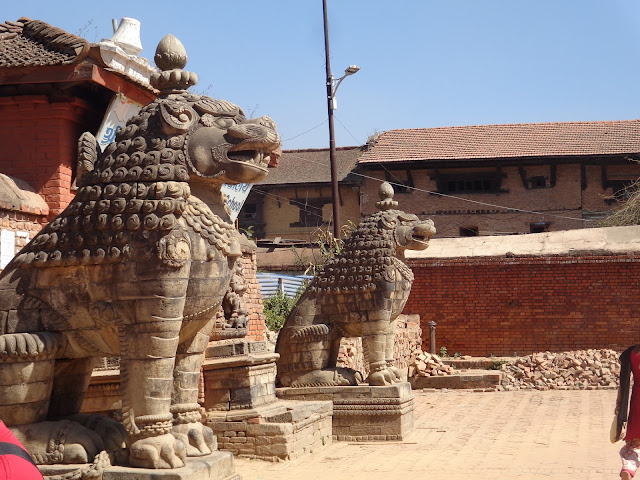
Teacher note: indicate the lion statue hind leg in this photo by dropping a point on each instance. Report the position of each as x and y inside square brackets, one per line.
[27, 363]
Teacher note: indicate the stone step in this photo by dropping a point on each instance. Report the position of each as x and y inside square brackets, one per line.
[474, 379]
[478, 363]
[215, 466]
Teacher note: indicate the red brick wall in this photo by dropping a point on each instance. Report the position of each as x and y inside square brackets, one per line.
[39, 142]
[253, 298]
[521, 305]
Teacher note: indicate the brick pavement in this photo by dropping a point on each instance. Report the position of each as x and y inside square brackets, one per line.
[522, 435]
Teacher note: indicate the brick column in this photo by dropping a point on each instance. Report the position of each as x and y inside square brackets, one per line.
[39, 143]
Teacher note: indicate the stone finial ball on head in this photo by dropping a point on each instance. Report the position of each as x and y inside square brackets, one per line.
[171, 57]
[385, 192]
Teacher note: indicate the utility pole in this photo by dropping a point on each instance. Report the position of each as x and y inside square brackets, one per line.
[335, 194]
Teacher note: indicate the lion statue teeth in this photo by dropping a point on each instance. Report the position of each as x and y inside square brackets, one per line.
[358, 293]
[135, 267]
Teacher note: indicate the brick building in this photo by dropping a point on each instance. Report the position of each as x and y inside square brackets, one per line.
[295, 199]
[505, 179]
[53, 87]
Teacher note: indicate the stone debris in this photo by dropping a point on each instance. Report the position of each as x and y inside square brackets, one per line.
[406, 346]
[429, 365]
[577, 369]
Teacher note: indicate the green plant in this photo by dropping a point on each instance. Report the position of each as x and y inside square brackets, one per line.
[277, 308]
[496, 363]
[328, 246]
[443, 351]
[249, 233]
[457, 355]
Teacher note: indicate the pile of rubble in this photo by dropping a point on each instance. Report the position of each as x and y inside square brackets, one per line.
[580, 369]
[428, 365]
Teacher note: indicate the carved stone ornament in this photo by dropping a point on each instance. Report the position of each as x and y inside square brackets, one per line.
[135, 267]
[233, 321]
[358, 293]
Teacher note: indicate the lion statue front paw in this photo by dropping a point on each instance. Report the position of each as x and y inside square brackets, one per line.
[163, 451]
[198, 438]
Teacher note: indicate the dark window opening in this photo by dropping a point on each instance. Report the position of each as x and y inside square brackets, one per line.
[249, 211]
[401, 180]
[250, 219]
[622, 190]
[469, 231]
[469, 183]
[538, 182]
[538, 227]
[310, 212]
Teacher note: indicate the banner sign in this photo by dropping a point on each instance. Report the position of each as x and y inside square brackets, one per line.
[236, 196]
[120, 110]
[7, 247]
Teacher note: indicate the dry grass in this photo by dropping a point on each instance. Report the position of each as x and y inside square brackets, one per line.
[629, 211]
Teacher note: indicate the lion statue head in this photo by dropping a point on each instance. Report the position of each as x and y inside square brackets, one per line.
[140, 185]
[372, 249]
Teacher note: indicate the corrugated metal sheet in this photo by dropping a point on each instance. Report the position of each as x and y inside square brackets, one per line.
[270, 283]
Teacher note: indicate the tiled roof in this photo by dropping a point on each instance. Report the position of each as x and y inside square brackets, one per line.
[29, 42]
[506, 141]
[312, 166]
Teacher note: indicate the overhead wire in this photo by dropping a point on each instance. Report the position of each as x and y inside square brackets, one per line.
[305, 205]
[307, 131]
[347, 130]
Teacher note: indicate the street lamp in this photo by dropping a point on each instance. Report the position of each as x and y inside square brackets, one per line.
[335, 83]
[332, 88]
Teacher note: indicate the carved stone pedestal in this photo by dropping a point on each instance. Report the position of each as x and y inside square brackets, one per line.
[362, 413]
[242, 409]
[238, 374]
[103, 395]
[217, 466]
[283, 430]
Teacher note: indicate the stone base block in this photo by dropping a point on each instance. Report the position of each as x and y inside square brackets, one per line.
[283, 430]
[217, 466]
[475, 379]
[103, 394]
[363, 413]
[238, 374]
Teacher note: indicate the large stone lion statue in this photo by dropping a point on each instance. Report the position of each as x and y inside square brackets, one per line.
[136, 267]
[358, 293]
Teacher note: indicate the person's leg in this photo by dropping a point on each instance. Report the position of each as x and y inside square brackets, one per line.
[630, 460]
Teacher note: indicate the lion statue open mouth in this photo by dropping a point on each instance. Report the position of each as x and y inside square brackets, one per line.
[358, 293]
[135, 267]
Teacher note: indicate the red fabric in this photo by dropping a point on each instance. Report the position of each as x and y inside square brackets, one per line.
[12, 467]
[633, 420]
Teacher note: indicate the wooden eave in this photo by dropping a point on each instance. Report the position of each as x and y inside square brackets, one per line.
[77, 72]
[296, 185]
[612, 159]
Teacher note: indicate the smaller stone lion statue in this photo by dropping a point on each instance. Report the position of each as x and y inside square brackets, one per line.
[358, 293]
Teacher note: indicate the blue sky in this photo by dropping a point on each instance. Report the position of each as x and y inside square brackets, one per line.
[424, 63]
